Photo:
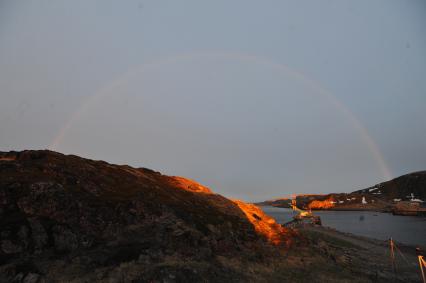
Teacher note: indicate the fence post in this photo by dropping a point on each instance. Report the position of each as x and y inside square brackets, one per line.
[422, 263]
[392, 253]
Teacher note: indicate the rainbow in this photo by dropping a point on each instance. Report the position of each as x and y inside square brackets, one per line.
[108, 89]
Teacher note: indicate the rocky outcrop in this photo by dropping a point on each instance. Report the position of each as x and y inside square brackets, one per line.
[65, 218]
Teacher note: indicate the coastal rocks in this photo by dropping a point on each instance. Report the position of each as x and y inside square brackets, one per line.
[409, 208]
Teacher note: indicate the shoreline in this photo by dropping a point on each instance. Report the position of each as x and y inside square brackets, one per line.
[364, 255]
[333, 209]
[371, 221]
[384, 210]
[366, 238]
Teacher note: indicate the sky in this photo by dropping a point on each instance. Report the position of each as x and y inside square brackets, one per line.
[255, 99]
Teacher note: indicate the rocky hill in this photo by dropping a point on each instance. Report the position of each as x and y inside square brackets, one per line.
[65, 218]
[406, 187]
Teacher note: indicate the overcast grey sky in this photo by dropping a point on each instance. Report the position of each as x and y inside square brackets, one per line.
[256, 99]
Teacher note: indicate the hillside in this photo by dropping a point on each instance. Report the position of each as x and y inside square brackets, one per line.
[402, 187]
[65, 218]
[383, 196]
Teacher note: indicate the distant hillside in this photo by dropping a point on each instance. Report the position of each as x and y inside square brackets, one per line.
[383, 196]
[282, 202]
[402, 187]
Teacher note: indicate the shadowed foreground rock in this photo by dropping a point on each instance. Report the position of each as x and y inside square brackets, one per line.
[65, 218]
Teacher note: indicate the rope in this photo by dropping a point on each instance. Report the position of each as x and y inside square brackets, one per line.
[402, 255]
[422, 262]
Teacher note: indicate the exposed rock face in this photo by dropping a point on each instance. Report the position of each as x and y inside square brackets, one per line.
[264, 224]
[66, 218]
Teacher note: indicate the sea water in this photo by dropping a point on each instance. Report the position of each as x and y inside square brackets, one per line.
[409, 230]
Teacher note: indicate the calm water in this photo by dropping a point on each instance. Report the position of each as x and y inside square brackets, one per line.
[405, 229]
